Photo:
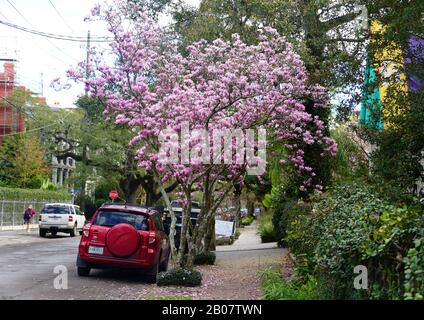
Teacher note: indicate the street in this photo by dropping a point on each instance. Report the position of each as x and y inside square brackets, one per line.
[28, 262]
[27, 271]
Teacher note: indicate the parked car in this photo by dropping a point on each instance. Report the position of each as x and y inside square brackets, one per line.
[124, 236]
[177, 208]
[61, 217]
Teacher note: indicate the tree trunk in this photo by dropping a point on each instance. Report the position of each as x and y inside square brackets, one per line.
[174, 255]
[237, 204]
[185, 221]
[250, 207]
[84, 178]
[130, 186]
[210, 243]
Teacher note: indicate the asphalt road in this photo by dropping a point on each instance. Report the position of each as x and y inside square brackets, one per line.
[27, 271]
[28, 262]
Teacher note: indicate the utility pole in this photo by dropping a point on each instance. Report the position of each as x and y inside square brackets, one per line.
[87, 72]
[42, 84]
[84, 146]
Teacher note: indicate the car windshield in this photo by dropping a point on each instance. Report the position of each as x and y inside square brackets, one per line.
[56, 209]
[112, 218]
[176, 204]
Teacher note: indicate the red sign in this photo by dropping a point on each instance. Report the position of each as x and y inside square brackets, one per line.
[113, 194]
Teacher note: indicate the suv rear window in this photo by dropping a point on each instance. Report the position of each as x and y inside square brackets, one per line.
[56, 209]
[111, 218]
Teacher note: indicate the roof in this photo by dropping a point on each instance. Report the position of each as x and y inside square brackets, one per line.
[61, 204]
[128, 206]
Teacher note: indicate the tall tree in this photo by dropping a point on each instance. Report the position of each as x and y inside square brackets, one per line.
[23, 162]
[100, 148]
[397, 52]
[223, 85]
[325, 33]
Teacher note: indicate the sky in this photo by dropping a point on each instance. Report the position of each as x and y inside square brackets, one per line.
[40, 60]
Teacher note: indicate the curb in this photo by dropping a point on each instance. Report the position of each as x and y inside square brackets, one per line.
[17, 228]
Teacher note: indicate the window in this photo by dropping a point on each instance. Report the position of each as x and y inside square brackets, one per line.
[112, 218]
[56, 209]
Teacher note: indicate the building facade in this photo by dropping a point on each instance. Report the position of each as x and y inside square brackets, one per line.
[11, 119]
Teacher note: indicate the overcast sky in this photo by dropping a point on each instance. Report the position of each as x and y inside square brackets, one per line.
[38, 55]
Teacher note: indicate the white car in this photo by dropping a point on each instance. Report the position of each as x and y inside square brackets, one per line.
[61, 217]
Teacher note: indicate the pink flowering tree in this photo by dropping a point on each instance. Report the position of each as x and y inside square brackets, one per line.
[165, 97]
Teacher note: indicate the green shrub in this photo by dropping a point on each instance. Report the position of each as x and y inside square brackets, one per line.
[203, 258]
[224, 241]
[353, 225]
[266, 229]
[275, 287]
[246, 221]
[34, 194]
[394, 252]
[179, 277]
[414, 270]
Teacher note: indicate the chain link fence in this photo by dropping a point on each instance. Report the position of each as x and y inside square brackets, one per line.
[12, 212]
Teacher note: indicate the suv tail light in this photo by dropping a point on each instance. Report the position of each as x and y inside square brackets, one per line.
[152, 237]
[86, 231]
[71, 218]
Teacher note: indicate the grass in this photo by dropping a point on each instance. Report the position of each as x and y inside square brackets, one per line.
[266, 228]
[246, 221]
[275, 287]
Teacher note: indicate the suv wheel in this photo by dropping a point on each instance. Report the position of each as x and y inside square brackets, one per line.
[73, 231]
[42, 233]
[83, 271]
[153, 272]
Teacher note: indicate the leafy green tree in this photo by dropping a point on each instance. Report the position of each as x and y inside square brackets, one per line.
[23, 162]
[325, 33]
[99, 147]
[399, 146]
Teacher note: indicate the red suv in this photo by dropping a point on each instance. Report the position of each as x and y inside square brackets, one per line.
[124, 236]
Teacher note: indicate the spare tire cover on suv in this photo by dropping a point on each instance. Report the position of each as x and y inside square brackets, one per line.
[122, 240]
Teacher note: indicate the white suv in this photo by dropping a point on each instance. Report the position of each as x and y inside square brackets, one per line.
[61, 217]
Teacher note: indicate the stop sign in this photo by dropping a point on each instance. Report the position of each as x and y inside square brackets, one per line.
[113, 194]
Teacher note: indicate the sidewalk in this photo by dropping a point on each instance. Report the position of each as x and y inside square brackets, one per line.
[19, 237]
[248, 240]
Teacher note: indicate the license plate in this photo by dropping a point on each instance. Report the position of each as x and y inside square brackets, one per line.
[95, 250]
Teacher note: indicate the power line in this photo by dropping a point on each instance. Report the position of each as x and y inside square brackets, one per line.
[18, 12]
[63, 19]
[55, 36]
[42, 49]
[10, 2]
[31, 130]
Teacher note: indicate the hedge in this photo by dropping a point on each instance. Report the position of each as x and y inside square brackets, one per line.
[179, 277]
[205, 258]
[33, 194]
